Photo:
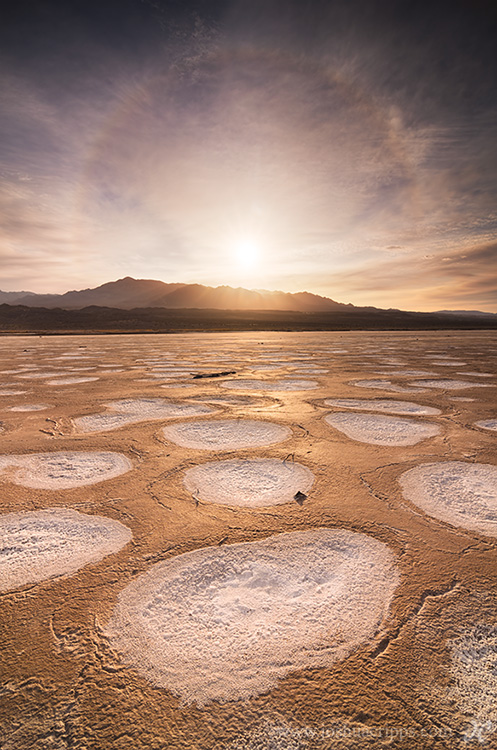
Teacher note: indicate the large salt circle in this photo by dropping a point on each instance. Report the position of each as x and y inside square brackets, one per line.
[460, 493]
[379, 429]
[63, 469]
[252, 483]
[103, 422]
[382, 405]
[130, 411]
[226, 434]
[156, 408]
[225, 623]
[43, 544]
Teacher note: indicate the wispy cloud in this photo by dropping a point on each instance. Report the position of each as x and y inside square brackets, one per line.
[457, 278]
[151, 143]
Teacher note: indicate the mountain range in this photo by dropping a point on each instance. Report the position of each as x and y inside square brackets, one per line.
[128, 293]
[132, 294]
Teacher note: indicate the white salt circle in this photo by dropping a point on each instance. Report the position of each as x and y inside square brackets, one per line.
[29, 407]
[460, 493]
[175, 371]
[225, 623]
[157, 408]
[445, 363]
[71, 370]
[130, 411]
[266, 385]
[487, 424]
[41, 375]
[226, 434]
[311, 370]
[102, 422]
[406, 373]
[382, 405]
[71, 381]
[384, 385]
[43, 544]
[62, 469]
[446, 384]
[167, 375]
[254, 483]
[378, 429]
[176, 385]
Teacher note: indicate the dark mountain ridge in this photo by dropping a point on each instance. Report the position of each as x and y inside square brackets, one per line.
[134, 294]
[129, 293]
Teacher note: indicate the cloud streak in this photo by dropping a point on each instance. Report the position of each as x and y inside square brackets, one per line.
[458, 277]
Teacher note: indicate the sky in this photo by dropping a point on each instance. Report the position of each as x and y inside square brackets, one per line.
[343, 147]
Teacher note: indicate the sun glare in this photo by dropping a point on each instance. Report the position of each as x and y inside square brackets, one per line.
[247, 254]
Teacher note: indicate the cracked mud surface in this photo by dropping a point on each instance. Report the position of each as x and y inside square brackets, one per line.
[65, 687]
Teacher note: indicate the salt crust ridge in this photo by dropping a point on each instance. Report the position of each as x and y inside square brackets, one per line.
[226, 623]
[43, 544]
[378, 429]
[63, 469]
[251, 483]
[462, 494]
[226, 434]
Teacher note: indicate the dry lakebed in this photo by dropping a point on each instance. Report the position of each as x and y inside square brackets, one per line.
[248, 540]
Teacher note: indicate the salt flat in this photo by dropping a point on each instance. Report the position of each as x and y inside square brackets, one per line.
[210, 564]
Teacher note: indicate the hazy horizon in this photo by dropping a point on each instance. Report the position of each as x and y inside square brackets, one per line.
[28, 292]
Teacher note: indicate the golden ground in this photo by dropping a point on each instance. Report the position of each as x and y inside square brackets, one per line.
[63, 687]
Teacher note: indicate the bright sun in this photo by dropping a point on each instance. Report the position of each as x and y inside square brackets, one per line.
[247, 253]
